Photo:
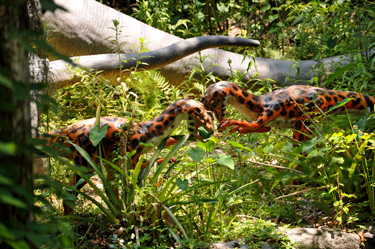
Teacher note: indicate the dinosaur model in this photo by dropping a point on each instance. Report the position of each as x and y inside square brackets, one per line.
[279, 108]
[152, 131]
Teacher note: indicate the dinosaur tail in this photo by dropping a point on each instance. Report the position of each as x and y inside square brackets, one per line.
[48, 139]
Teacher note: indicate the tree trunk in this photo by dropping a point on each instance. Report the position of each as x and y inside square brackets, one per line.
[15, 162]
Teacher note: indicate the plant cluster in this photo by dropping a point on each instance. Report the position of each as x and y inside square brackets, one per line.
[227, 187]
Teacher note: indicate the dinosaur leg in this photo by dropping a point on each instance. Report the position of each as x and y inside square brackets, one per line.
[245, 130]
[301, 128]
[248, 126]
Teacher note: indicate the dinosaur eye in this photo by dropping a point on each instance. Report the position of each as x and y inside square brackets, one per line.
[212, 101]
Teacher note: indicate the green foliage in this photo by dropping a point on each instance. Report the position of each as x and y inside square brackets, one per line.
[201, 198]
[327, 29]
[255, 232]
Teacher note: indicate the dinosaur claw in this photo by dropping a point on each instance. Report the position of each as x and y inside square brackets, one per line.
[223, 125]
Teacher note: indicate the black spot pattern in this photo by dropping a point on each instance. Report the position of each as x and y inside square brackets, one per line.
[267, 98]
[277, 107]
[171, 111]
[135, 143]
[291, 114]
[90, 149]
[242, 100]
[310, 96]
[369, 102]
[269, 113]
[356, 101]
[83, 140]
[255, 99]
[319, 102]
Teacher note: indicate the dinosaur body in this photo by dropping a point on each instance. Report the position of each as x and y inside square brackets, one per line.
[279, 108]
[152, 131]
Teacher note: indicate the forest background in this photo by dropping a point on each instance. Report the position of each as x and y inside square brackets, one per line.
[218, 190]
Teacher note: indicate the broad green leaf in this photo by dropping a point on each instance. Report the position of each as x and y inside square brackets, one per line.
[4, 232]
[222, 8]
[203, 133]
[268, 149]
[238, 145]
[97, 134]
[8, 148]
[19, 244]
[340, 103]
[207, 146]
[225, 160]
[4, 180]
[339, 71]
[8, 199]
[309, 144]
[6, 82]
[298, 20]
[182, 184]
[197, 154]
[265, 8]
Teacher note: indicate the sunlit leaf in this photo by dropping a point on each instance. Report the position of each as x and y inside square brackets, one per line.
[309, 144]
[207, 146]
[339, 71]
[182, 184]
[97, 134]
[225, 160]
[197, 154]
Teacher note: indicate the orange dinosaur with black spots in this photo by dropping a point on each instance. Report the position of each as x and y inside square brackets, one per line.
[152, 131]
[279, 108]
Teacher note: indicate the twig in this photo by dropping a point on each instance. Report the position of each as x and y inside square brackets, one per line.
[277, 166]
[294, 140]
[88, 230]
[323, 113]
[299, 192]
[309, 118]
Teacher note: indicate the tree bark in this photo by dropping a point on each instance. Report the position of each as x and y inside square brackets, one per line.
[15, 165]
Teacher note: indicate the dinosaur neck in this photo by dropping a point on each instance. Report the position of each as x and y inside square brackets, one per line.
[249, 105]
[163, 125]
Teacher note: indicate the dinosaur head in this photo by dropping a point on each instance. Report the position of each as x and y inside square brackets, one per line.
[198, 116]
[216, 96]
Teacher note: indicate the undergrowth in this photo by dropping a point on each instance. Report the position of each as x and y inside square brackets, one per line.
[228, 187]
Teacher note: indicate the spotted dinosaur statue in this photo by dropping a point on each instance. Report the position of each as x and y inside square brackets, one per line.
[279, 108]
[152, 131]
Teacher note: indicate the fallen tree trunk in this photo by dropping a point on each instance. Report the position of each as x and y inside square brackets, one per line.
[74, 33]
